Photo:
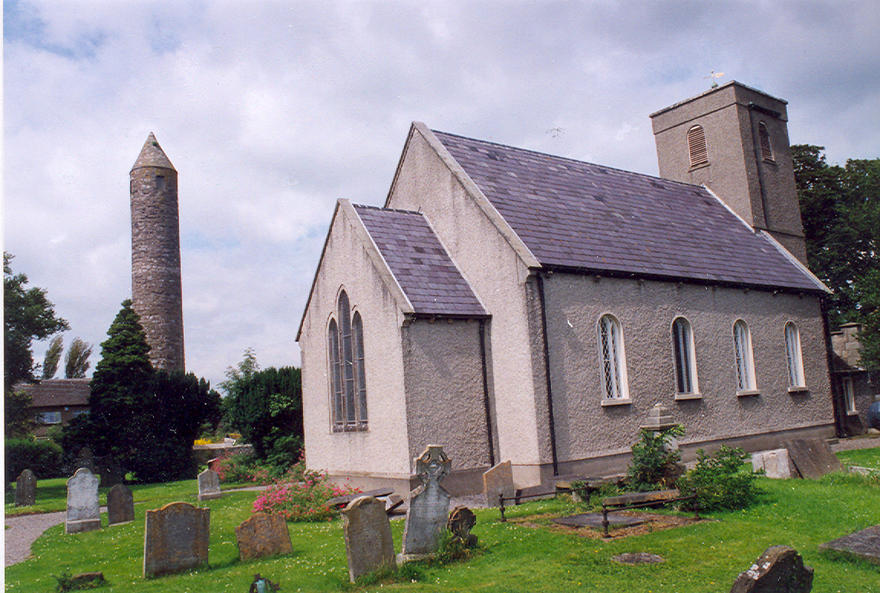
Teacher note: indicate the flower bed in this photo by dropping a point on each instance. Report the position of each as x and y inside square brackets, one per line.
[301, 501]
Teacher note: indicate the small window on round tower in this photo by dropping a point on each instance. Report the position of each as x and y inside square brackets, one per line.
[764, 138]
[696, 139]
[160, 182]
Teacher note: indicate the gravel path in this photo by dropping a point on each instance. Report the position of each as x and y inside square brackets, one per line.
[22, 531]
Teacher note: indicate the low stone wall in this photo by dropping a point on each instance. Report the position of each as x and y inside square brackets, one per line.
[203, 453]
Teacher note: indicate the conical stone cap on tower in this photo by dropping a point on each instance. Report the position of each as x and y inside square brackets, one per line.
[152, 155]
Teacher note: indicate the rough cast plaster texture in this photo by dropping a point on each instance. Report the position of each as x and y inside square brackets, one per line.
[733, 169]
[497, 274]
[383, 449]
[646, 310]
[155, 263]
[444, 390]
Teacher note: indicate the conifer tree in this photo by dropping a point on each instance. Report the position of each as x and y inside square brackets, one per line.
[53, 355]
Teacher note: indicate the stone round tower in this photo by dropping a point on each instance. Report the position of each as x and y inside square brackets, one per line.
[155, 255]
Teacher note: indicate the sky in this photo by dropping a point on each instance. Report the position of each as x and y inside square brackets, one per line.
[271, 111]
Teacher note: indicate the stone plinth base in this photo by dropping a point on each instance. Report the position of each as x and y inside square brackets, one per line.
[83, 525]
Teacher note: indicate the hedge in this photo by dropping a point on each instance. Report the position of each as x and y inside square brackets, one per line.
[44, 458]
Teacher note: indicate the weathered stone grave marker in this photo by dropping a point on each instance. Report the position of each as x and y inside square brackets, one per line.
[812, 457]
[368, 543]
[775, 463]
[175, 538]
[109, 470]
[85, 458]
[428, 506]
[461, 521]
[498, 479]
[261, 535]
[25, 489]
[83, 512]
[863, 544]
[780, 569]
[209, 485]
[120, 505]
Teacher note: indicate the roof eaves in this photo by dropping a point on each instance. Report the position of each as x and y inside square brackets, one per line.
[479, 198]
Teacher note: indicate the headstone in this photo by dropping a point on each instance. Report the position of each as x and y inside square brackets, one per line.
[812, 457]
[209, 485]
[120, 505]
[175, 538]
[428, 505]
[25, 489]
[110, 472]
[461, 521]
[262, 535]
[780, 569]
[368, 543]
[775, 463]
[861, 544]
[498, 479]
[83, 512]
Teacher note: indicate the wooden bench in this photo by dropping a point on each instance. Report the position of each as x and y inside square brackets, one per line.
[638, 500]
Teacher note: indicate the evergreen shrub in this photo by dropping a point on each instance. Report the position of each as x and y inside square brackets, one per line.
[44, 458]
[720, 481]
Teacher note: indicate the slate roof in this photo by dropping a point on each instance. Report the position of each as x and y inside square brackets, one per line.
[577, 215]
[52, 393]
[418, 261]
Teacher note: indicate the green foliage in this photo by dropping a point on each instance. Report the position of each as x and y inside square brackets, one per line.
[720, 481]
[53, 355]
[266, 407]
[654, 463]
[41, 457]
[70, 583]
[76, 362]
[27, 316]
[17, 417]
[840, 209]
[145, 419]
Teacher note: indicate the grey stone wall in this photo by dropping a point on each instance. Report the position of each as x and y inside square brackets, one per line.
[155, 263]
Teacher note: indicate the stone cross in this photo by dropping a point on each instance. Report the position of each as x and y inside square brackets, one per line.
[120, 505]
[428, 505]
[25, 489]
[261, 535]
[175, 538]
[209, 485]
[368, 543]
[83, 512]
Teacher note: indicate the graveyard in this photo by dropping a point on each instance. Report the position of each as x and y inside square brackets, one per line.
[528, 552]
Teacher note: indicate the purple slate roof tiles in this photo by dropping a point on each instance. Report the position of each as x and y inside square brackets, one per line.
[577, 215]
[418, 261]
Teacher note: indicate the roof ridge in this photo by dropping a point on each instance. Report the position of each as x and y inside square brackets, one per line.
[570, 159]
[383, 209]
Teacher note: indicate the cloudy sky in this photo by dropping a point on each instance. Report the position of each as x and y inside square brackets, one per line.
[270, 111]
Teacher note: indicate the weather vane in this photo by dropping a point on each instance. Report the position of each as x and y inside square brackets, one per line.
[714, 76]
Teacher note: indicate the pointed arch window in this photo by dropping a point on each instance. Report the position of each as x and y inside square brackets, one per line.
[685, 360]
[745, 360]
[345, 342]
[794, 357]
[697, 149]
[612, 359]
[764, 139]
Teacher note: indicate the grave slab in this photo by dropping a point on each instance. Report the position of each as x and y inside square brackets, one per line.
[861, 544]
[775, 463]
[812, 457]
[262, 535]
[25, 489]
[368, 543]
[175, 538]
[83, 512]
[595, 520]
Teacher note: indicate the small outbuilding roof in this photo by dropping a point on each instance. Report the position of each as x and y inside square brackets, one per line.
[580, 216]
[52, 393]
[419, 263]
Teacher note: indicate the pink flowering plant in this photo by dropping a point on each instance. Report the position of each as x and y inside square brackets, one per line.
[304, 500]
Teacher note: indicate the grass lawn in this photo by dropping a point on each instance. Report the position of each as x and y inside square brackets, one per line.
[703, 557]
[861, 457]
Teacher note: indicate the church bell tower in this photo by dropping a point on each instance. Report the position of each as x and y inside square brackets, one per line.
[734, 140]
[155, 255]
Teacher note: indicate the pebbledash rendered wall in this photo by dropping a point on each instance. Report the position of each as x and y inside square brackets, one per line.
[379, 454]
[495, 263]
[586, 429]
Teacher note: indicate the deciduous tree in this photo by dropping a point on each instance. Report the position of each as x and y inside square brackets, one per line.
[53, 355]
[76, 363]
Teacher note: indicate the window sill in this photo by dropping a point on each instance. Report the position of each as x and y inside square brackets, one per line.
[621, 401]
[687, 396]
[853, 413]
[798, 389]
[349, 428]
[747, 393]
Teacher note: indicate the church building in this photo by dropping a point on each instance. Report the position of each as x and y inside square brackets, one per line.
[513, 305]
